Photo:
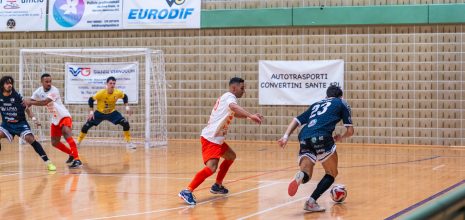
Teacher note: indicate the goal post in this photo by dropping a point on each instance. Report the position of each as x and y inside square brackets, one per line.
[140, 73]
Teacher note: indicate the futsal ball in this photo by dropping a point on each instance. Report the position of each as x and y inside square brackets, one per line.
[338, 193]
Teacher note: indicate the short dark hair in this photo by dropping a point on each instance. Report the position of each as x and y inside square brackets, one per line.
[334, 91]
[235, 80]
[44, 75]
[111, 78]
[6, 79]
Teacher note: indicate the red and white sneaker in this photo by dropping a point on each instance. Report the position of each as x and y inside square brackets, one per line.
[312, 206]
[294, 185]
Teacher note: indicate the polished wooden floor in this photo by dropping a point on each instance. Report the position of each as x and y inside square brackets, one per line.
[381, 181]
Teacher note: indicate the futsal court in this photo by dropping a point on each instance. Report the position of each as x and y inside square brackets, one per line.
[382, 182]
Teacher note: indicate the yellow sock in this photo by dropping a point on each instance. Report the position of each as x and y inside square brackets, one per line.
[127, 136]
[81, 137]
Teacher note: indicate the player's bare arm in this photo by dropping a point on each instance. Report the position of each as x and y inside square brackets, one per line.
[31, 116]
[348, 133]
[29, 102]
[290, 128]
[242, 113]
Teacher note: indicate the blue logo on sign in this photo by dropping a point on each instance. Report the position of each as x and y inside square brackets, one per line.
[178, 2]
[68, 13]
[79, 70]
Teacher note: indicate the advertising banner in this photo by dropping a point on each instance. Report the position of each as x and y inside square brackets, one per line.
[297, 82]
[72, 15]
[20, 15]
[83, 80]
[161, 14]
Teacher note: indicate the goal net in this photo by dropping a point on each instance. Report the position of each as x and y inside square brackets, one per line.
[79, 73]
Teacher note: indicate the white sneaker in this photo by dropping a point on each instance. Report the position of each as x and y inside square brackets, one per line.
[131, 146]
[294, 185]
[312, 206]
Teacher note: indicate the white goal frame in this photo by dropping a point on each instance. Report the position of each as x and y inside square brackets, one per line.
[132, 52]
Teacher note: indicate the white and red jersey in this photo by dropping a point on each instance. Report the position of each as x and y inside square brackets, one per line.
[220, 119]
[56, 107]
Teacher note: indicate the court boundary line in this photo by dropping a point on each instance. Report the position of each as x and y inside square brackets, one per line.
[422, 202]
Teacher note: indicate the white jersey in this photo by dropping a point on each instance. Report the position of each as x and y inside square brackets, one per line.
[220, 119]
[55, 107]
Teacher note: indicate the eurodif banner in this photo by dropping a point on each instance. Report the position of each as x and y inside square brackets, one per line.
[161, 14]
[20, 15]
[71, 15]
[297, 82]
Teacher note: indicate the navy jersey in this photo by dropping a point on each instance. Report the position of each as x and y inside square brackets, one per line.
[321, 118]
[11, 108]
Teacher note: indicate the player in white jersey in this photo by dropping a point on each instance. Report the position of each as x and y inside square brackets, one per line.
[212, 139]
[61, 122]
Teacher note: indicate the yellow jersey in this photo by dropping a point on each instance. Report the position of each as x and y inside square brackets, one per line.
[106, 103]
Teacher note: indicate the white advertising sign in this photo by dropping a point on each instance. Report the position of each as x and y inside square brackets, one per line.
[297, 82]
[161, 14]
[21, 15]
[83, 80]
[85, 15]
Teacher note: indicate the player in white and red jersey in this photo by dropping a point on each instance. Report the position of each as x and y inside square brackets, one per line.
[212, 139]
[61, 122]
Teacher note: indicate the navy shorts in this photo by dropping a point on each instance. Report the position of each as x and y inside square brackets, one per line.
[21, 129]
[115, 117]
[317, 148]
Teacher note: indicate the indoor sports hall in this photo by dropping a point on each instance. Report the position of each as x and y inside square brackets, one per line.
[399, 64]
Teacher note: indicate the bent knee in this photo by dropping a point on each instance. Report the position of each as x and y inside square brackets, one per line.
[333, 173]
[55, 143]
[232, 156]
[213, 168]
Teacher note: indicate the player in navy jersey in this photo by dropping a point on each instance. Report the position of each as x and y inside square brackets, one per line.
[317, 142]
[14, 119]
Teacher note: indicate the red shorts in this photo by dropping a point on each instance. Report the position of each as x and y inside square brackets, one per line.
[212, 150]
[55, 130]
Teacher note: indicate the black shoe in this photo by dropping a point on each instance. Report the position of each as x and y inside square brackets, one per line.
[70, 160]
[76, 164]
[217, 189]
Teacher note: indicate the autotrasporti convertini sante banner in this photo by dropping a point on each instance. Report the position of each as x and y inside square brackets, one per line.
[297, 82]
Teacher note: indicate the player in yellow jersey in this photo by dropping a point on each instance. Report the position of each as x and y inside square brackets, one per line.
[106, 102]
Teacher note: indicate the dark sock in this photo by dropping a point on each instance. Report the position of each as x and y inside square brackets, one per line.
[306, 178]
[38, 148]
[323, 185]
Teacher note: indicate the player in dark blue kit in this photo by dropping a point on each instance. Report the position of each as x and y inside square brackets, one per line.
[317, 142]
[14, 119]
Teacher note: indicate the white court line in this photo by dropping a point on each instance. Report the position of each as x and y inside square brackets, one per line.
[273, 208]
[439, 167]
[13, 174]
[183, 207]
[8, 162]
[278, 206]
[176, 178]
